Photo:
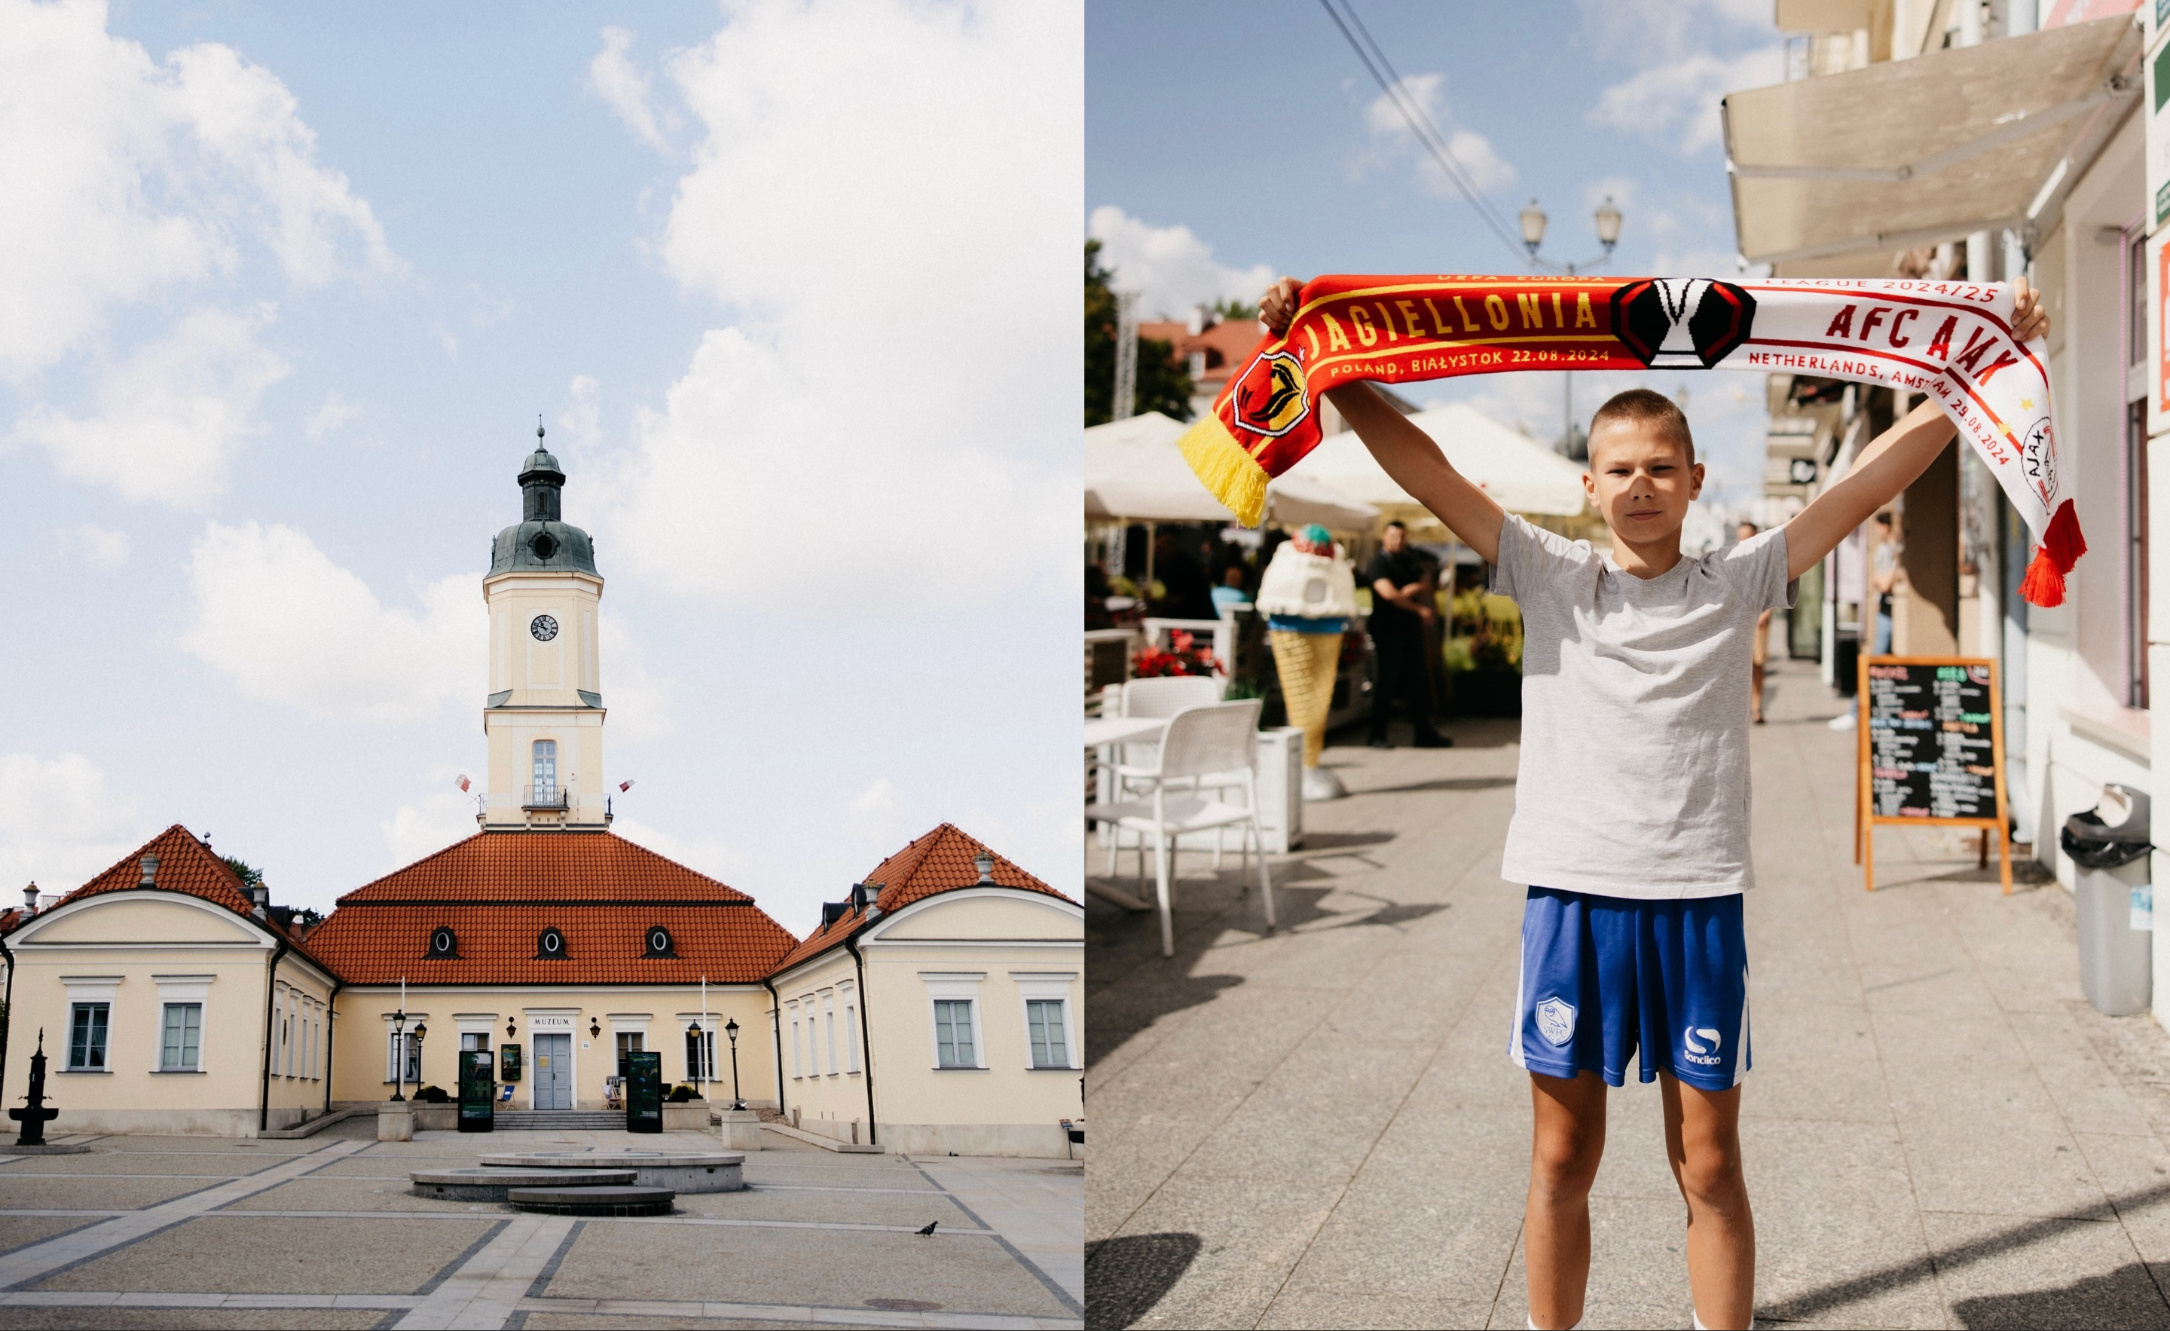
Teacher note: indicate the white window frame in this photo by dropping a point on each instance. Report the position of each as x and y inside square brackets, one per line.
[181, 990]
[165, 1017]
[91, 989]
[851, 1027]
[686, 1024]
[1044, 986]
[791, 1008]
[828, 1026]
[953, 986]
[391, 1048]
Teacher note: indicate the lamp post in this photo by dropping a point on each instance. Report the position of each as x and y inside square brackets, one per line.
[1607, 220]
[700, 1059]
[421, 1028]
[731, 1029]
[399, 1054]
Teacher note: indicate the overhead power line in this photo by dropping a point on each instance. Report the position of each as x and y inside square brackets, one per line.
[1420, 123]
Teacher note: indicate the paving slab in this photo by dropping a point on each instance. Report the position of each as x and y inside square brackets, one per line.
[1320, 1126]
[264, 1255]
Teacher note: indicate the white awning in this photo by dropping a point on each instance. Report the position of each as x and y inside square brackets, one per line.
[1831, 176]
[1134, 471]
[1522, 475]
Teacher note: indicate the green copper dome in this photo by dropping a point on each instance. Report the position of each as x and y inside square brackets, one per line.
[542, 541]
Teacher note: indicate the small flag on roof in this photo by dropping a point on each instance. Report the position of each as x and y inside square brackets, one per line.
[624, 786]
[463, 781]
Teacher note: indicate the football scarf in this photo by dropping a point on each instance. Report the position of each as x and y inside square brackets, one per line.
[1950, 340]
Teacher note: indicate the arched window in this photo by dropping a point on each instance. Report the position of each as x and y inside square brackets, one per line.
[443, 942]
[550, 945]
[659, 942]
[546, 773]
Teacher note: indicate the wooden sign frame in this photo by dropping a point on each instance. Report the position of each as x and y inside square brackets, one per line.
[1865, 820]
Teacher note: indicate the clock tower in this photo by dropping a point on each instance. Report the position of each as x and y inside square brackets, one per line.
[544, 715]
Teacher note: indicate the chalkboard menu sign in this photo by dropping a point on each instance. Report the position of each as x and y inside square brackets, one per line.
[1930, 751]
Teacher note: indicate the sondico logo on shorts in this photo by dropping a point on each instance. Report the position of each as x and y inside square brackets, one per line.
[1698, 1053]
[1556, 1021]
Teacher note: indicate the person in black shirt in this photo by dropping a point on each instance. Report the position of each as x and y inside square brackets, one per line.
[1401, 593]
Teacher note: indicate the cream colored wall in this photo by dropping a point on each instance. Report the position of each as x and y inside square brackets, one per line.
[362, 1045]
[102, 938]
[548, 676]
[1009, 942]
[831, 1103]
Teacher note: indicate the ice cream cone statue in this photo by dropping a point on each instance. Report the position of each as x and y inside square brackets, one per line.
[1307, 596]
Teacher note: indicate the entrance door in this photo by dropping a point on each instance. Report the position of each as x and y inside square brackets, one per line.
[553, 1072]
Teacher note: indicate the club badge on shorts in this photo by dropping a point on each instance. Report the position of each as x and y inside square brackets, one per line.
[1556, 1021]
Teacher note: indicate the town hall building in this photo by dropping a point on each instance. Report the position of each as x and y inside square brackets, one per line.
[936, 1009]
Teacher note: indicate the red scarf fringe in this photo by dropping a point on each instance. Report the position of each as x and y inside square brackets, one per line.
[2061, 548]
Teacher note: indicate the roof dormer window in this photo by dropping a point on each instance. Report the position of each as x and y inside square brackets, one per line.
[550, 944]
[658, 941]
[443, 944]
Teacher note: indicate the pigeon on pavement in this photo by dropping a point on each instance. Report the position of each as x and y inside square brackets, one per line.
[930, 1227]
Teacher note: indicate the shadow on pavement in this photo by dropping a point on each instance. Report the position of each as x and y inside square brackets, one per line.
[2127, 1297]
[1125, 1277]
[1444, 783]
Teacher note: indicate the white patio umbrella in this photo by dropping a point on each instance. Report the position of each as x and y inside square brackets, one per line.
[1134, 471]
[1523, 475]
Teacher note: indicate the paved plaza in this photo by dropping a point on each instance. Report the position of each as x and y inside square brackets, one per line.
[1320, 1128]
[323, 1232]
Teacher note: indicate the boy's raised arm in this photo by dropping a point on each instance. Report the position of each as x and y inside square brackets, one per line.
[1891, 461]
[1408, 454]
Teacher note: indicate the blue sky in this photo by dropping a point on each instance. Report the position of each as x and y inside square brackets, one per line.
[287, 289]
[1253, 129]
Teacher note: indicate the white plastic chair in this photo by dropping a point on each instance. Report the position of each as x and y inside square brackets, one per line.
[1204, 749]
[1156, 696]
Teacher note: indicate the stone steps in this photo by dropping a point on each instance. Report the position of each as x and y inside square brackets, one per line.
[559, 1120]
[617, 1201]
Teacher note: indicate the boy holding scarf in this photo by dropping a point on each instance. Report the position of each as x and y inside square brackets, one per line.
[1632, 800]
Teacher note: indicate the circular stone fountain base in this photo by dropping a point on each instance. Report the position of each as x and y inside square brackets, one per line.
[711, 1171]
[490, 1185]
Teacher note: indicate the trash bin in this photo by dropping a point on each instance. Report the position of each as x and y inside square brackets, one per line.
[2110, 846]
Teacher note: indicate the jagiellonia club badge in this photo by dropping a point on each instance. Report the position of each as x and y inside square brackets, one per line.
[1556, 1021]
[1270, 397]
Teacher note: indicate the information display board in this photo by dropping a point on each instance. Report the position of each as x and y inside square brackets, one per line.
[509, 1062]
[644, 1092]
[1931, 751]
[478, 1090]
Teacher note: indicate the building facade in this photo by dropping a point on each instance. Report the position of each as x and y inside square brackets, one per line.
[173, 997]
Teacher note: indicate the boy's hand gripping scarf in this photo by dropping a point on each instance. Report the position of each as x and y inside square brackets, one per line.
[1951, 340]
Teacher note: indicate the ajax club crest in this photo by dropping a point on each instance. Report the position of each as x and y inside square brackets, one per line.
[1269, 398]
[2038, 456]
[1682, 323]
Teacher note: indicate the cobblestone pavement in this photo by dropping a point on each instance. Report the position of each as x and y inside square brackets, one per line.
[323, 1232]
[1321, 1128]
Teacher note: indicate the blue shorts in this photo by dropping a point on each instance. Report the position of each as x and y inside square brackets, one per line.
[1604, 976]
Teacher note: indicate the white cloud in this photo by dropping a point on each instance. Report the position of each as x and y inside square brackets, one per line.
[171, 415]
[335, 412]
[1392, 141]
[876, 817]
[1169, 266]
[276, 616]
[101, 548]
[639, 703]
[1677, 101]
[706, 855]
[59, 823]
[816, 208]
[580, 418]
[624, 88]
[416, 830]
[126, 177]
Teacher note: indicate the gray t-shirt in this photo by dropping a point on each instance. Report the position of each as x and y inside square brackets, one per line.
[1634, 775]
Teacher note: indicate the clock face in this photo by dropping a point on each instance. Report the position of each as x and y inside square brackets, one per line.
[543, 627]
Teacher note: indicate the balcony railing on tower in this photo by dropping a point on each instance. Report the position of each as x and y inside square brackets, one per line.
[545, 797]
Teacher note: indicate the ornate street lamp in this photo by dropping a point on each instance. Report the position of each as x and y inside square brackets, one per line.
[700, 1060]
[421, 1029]
[731, 1029]
[1607, 221]
[399, 1055]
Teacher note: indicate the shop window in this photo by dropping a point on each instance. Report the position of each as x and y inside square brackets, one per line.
[953, 1045]
[2136, 554]
[182, 1048]
[87, 1037]
[1050, 1041]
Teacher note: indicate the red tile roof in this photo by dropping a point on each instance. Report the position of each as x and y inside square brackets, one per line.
[1225, 344]
[497, 892]
[185, 864]
[940, 861]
